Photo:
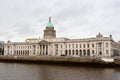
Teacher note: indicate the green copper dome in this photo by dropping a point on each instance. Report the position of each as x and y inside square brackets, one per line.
[50, 24]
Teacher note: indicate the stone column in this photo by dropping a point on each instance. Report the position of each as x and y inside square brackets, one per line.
[41, 49]
[44, 49]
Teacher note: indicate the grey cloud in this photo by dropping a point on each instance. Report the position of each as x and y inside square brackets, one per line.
[71, 18]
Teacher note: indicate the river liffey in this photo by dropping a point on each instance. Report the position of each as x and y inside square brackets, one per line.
[19, 71]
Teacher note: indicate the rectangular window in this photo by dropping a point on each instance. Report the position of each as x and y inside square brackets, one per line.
[93, 52]
[92, 45]
[56, 45]
[69, 45]
[88, 45]
[80, 45]
[61, 45]
[76, 45]
[73, 45]
[66, 45]
[61, 52]
[106, 44]
[84, 45]
[107, 52]
[99, 44]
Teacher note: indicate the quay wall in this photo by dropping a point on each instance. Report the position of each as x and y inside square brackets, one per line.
[60, 60]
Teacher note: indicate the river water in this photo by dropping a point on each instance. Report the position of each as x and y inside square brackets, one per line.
[19, 71]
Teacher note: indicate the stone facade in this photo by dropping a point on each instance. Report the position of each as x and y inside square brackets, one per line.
[2, 47]
[49, 45]
[49, 32]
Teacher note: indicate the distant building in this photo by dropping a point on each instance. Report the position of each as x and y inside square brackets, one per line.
[51, 45]
[2, 47]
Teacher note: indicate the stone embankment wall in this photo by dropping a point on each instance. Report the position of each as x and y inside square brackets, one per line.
[59, 60]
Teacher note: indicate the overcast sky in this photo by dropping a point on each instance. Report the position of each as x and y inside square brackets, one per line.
[21, 19]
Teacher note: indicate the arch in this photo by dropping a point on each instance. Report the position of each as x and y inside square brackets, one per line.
[28, 52]
[46, 53]
[69, 52]
[66, 52]
[19, 52]
[84, 52]
[76, 52]
[100, 53]
[88, 52]
[24, 52]
[80, 52]
[73, 52]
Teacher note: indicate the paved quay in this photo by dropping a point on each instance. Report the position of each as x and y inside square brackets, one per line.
[60, 60]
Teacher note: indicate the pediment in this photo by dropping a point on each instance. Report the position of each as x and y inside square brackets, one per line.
[43, 42]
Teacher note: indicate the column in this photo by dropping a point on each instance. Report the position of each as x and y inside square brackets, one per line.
[44, 49]
[48, 49]
[41, 50]
[36, 49]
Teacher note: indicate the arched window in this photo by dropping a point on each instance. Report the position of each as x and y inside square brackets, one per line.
[19, 52]
[76, 52]
[73, 52]
[88, 52]
[84, 52]
[46, 53]
[66, 52]
[80, 52]
[69, 52]
[100, 53]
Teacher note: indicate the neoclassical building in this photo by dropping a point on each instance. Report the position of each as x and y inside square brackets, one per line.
[50, 45]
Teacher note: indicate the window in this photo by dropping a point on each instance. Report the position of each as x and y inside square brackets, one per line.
[88, 52]
[76, 52]
[73, 52]
[93, 52]
[80, 52]
[88, 45]
[84, 45]
[100, 53]
[66, 45]
[66, 52]
[107, 52]
[56, 45]
[92, 45]
[80, 45]
[61, 51]
[73, 45]
[61, 45]
[84, 52]
[106, 44]
[76, 45]
[69, 45]
[69, 52]
[99, 44]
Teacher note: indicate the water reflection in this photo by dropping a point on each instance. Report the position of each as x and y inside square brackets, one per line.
[15, 71]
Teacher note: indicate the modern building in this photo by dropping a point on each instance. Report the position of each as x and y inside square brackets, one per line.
[50, 45]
